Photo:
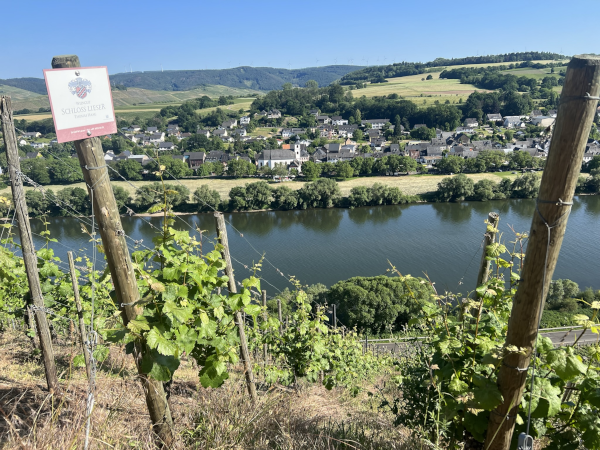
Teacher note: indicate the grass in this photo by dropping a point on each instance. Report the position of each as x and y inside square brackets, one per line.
[308, 418]
[410, 185]
[413, 88]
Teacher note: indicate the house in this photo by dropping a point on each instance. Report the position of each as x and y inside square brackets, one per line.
[134, 128]
[319, 155]
[469, 130]
[377, 143]
[346, 130]
[286, 133]
[220, 132]
[33, 155]
[157, 138]
[536, 113]
[430, 161]
[552, 113]
[326, 131]
[229, 124]
[142, 159]
[337, 120]
[172, 128]
[414, 154]
[463, 139]
[314, 112]
[32, 135]
[471, 123]
[274, 114]
[39, 144]
[513, 122]
[214, 156]
[376, 124]
[393, 148]
[373, 133]
[151, 130]
[109, 155]
[123, 155]
[419, 125]
[494, 117]
[241, 132]
[195, 159]
[434, 150]
[542, 121]
[204, 132]
[185, 135]
[164, 146]
[244, 120]
[323, 120]
[272, 158]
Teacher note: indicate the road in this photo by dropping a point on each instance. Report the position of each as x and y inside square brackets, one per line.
[563, 337]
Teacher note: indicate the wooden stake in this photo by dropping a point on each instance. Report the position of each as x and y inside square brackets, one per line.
[91, 159]
[575, 115]
[489, 239]
[279, 316]
[265, 318]
[27, 247]
[222, 237]
[334, 317]
[86, 355]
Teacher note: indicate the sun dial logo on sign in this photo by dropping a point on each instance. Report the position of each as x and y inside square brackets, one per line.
[80, 87]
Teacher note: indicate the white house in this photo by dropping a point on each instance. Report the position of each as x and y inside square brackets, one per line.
[542, 121]
[272, 158]
[274, 114]
[220, 132]
[134, 128]
[109, 155]
[244, 120]
[229, 124]
[163, 146]
[204, 132]
[157, 138]
[376, 124]
[471, 123]
[513, 122]
[494, 117]
[39, 144]
[337, 120]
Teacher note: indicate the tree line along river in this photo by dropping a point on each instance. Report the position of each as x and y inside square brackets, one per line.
[328, 245]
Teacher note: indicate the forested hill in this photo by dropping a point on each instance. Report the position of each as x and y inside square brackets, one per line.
[259, 78]
[378, 74]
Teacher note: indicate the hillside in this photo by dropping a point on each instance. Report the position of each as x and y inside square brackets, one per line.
[246, 78]
[258, 78]
[377, 74]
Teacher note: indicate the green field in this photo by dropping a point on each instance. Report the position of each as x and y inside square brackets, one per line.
[426, 92]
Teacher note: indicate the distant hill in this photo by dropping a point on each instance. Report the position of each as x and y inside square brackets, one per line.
[247, 78]
[257, 78]
[378, 74]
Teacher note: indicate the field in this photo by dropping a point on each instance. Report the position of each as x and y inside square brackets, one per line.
[426, 92]
[411, 185]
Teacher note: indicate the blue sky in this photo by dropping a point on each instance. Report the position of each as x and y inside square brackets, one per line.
[221, 34]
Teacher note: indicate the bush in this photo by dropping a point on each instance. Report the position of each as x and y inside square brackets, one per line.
[455, 189]
[207, 198]
[253, 196]
[153, 194]
[323, 193]
[285, 198]
[374, 304]
[526, 186]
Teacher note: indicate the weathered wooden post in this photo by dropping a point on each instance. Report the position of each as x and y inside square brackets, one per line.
[91, 159]
[27, 247]
[279, 316]
[88, 366]
[489, 239]
[334, 318]
[578, 103]
[222, 237]
[265, 318]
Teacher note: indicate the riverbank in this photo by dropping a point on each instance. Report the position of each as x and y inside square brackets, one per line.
[409, 185]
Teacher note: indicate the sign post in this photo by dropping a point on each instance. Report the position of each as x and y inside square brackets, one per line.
[81, 102]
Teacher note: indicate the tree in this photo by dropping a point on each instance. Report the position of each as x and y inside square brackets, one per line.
[237, 198]
[129, 169]
[311, 84]
[344, 170]
[429, 77]
[122, 197]
[397, 126]
[423, 133]
[240, 168]
[358, 135]
[455, 189]
[561, 295]
[374, 304]
[451, 164]
[37, 203]
[65, 171]
[322, 193]
[484, 190]
[259, 195]
[285, 198]
[359, 196]
[172, 168]
[153, 194]
[526, 186]
[279, 170]
[509, 134]
[77, 199]
[37, 170]
[208, 199]
[520, 160]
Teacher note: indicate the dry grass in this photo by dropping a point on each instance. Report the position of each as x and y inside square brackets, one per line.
[411, 185]
[309, 418]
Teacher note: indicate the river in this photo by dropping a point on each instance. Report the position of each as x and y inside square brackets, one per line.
[328, 245]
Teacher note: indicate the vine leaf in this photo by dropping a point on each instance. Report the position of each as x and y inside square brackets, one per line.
[159, 367]
[476, 424]
[566, 365]
[486, 392]
[546, 399]
[157, 341]
[457, 387]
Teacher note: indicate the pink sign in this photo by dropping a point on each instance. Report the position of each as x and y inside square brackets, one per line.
[81, 102]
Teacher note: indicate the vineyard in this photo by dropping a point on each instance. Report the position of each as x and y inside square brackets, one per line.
[145, 345]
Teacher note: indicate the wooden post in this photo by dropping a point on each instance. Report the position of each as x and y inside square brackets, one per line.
[222, 237]
[334, 318]
[27, 247]
[88, 366]
[265, 318]
[91, 159]
[279, 316]
[575, 115]
[489, 239]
